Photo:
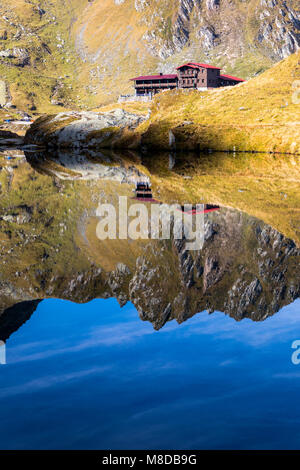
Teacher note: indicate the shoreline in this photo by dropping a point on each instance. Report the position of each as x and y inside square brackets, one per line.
[157, 136]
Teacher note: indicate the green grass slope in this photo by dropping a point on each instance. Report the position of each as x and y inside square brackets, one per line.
[47, 78]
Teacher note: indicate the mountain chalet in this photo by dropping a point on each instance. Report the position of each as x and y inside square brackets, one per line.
[189, 76]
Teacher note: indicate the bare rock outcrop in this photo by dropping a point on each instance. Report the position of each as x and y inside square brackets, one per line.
[81, 129]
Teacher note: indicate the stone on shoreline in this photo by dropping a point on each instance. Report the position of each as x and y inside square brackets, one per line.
[81, 129]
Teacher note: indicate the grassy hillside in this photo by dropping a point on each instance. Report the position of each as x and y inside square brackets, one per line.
[41, 70]
[261, 115]
[81, 54]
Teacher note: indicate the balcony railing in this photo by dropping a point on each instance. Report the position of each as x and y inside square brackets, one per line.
[155, 85]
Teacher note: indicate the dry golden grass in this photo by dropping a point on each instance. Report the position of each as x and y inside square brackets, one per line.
[34, 83]
[132, 107]
[259, 115]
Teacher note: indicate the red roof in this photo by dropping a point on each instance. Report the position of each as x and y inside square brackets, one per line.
[195, 65]
[232, 78]
[154, 77]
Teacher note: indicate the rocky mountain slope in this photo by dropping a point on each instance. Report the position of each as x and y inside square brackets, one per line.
[122, 38]
[79, 54]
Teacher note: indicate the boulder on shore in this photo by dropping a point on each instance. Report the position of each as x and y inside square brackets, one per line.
[82, 129]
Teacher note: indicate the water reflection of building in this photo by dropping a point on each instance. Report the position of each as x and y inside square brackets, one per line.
[195, 210]
[143, 192]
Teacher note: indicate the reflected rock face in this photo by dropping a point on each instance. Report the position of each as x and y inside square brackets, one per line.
[246, 269]
[86, 166]
[14, 317]
[49, 249]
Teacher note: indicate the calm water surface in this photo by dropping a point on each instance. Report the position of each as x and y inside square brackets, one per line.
[83, 373]
[95, 376]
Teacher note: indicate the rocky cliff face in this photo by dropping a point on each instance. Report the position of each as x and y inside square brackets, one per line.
[215, 25]
[86, 56]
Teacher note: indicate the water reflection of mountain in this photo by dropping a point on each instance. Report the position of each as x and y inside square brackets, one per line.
[90, 165]
[262, 185]
[246, 268]
[14, 317]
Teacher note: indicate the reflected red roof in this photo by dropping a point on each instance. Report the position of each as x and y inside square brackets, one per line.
[155, 77]
[232, 78]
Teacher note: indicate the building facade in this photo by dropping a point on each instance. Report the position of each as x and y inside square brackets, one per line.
[152, 84]
[191, 75]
